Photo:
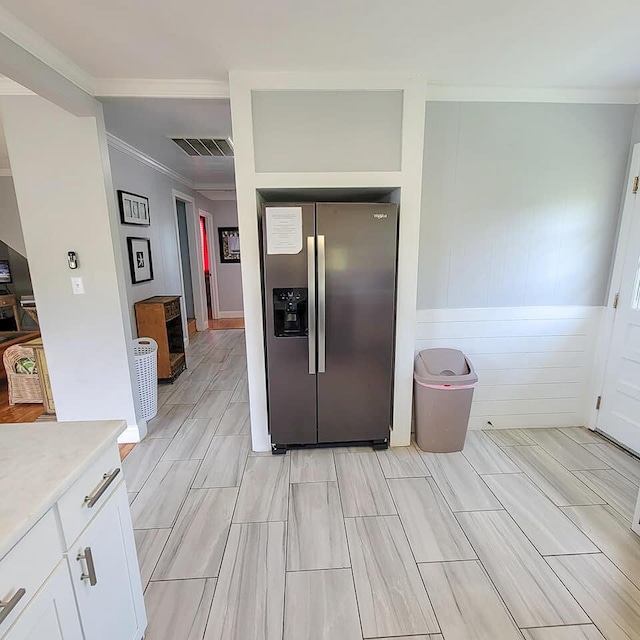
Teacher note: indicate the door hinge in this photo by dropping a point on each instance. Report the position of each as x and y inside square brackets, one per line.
[598, 403]
[636, 180]
[615, 300]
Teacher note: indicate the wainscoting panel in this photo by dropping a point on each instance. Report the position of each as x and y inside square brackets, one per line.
[534, 364]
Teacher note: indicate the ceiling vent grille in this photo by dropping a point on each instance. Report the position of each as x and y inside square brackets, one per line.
[205, 146]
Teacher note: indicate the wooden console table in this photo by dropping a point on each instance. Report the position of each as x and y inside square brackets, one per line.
[160, 318]
[9, 300]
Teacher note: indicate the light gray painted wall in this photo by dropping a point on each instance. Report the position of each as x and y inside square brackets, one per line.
[636, 126]
[10, 227]
[65, 203]
[520, 203]
[327, 130]
[225, 214]
[131, 175]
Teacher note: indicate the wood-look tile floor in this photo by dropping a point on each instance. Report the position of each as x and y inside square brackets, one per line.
[522, 535]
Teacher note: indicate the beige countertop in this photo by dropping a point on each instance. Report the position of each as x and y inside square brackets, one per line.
[39, 462]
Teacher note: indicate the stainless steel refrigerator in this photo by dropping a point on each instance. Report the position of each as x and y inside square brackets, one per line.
[329, 321]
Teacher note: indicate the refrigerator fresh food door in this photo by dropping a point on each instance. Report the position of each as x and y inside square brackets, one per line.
[357, 251]
[289, 277]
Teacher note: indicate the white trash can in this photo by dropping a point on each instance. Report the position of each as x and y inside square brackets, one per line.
[145, 355]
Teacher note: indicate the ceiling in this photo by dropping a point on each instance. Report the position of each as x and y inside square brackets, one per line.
[148, 123]
[545, 43]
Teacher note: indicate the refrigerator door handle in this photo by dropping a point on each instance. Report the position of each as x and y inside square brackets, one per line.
[311, 284]
[321, 306]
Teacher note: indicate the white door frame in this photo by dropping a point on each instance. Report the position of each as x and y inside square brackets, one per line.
[210, 227]
[195, 259]
[609, 313]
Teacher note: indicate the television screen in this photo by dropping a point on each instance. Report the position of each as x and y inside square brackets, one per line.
[5, 272]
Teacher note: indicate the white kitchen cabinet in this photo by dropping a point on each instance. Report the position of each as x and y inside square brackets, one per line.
[68, 563]
[51, 614]
[105, 571]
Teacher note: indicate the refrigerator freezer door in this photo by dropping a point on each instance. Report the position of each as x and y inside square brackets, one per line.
[355, 389]
[291, 378]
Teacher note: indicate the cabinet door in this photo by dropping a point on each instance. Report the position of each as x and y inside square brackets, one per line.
[52, 614]
[106, 577]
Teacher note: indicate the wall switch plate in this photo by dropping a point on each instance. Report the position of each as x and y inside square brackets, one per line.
[77, 286]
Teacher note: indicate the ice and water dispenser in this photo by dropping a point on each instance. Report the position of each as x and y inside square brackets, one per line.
[290, 312]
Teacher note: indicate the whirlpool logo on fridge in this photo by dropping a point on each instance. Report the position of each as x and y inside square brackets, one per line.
[380, 216]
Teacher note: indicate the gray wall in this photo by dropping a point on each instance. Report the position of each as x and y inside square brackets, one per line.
[520, 203]
[131, 175]
[10, 227]
[225, 214]
[636, 126]
[327, 130]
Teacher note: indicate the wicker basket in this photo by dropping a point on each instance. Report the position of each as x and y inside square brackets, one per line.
[23, 387]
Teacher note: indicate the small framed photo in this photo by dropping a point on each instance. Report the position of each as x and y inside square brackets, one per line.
[140, 261]
[229, 240]
[134, 209]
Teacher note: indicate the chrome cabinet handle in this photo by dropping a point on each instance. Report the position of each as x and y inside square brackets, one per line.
[7, 607]
[87, 556]
[107, 479]
[311, 301]
[321, 305]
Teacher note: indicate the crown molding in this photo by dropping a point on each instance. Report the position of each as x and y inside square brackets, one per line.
[44, 51]
[215, 186]
[218, 194]
[447, 93]
[149, 88]
[136, 154]
[10, 88]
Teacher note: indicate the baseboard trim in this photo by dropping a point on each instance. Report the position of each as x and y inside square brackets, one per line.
[130, 435]
[230, 314]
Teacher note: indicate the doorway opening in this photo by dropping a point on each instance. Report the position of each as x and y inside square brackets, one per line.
[206, 266]
[185, 261]
[211, 266]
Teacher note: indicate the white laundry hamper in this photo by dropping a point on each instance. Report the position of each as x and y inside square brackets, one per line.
[145, 355]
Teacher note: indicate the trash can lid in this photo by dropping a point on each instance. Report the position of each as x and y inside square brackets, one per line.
[444, 367]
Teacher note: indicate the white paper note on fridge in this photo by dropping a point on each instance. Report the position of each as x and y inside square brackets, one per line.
[284, 230]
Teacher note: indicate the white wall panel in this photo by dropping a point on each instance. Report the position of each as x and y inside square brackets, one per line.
[499, 344]
[520, 203]
[534, 363]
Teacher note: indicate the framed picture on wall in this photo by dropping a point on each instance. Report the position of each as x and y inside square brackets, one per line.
[229, 240]
[140, 259]
[134, 209]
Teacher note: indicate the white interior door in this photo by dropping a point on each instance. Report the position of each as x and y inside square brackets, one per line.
[619, 415]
